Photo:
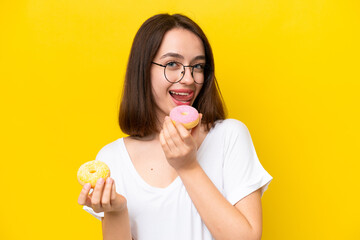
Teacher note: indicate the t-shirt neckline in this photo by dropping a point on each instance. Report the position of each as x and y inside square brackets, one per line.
[176, 182]
[137, 176]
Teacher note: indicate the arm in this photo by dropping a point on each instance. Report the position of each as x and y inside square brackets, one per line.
[115, 224]
[224, 221]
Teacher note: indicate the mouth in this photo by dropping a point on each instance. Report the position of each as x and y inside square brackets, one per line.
[182, 96]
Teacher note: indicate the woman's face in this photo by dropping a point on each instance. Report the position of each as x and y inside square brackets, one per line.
[178, 45]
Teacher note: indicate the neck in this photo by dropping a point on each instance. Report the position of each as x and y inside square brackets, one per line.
[151, 137]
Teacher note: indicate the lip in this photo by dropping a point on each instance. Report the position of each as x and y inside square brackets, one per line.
[186, 100]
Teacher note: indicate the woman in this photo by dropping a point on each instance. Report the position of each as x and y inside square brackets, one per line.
[167, 182]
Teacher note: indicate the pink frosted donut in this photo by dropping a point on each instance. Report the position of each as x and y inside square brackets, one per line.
[187, 115]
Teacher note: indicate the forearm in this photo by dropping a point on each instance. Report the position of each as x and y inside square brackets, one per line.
[222, 219]
[116, 226]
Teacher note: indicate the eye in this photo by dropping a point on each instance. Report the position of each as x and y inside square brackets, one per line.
[199, 67]
[173, 65]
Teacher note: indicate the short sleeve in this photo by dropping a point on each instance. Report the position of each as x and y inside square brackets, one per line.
[99, 216]
[243, 172]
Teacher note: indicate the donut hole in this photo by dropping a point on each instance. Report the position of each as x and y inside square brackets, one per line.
[92, 171]
[185, 113]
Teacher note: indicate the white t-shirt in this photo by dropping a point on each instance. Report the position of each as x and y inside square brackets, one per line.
[228, 157]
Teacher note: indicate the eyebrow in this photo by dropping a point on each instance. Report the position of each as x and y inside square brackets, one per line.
[176, 55]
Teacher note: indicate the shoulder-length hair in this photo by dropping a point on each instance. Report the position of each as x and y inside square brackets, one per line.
[137, 115]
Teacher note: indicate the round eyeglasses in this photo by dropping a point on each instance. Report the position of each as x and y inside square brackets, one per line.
[175, 71]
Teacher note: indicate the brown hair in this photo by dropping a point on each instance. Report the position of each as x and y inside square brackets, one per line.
[137, 115]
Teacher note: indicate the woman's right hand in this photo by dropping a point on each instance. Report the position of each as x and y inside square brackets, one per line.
[104, 197]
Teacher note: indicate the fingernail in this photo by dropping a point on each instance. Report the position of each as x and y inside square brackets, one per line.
[100, 181]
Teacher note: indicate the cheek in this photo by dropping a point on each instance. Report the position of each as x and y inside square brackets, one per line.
[160, 87]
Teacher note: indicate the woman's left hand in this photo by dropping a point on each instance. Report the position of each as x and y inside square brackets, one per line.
[179, 144]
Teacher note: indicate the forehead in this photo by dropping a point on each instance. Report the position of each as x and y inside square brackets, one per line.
[181, 41]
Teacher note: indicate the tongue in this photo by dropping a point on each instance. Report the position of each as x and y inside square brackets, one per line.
[183, 98]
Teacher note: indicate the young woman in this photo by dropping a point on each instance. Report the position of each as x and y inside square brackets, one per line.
[167, 182]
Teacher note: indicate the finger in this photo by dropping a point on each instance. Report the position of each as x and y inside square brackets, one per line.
[173, 129]
[113, 191]
[171, 126]
[184, 134]
[84, 194]
[105, 200]
[164, 144]
[96, 196]
[167, 135]
[181, 134]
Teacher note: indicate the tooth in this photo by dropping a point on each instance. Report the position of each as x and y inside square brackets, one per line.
[181, 94]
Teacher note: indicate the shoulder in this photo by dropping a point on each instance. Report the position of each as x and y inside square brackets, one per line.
[109, 150]
[231, 126]
[232, 131]
[230, 122]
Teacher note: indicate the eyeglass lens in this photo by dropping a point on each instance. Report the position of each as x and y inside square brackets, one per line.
[175, 71]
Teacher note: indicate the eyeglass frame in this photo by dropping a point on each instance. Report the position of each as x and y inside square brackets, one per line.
[192, 71]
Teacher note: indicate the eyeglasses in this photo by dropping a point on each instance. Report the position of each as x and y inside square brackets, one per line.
[175, 71]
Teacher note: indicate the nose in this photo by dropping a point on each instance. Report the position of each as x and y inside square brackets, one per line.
[188, 77]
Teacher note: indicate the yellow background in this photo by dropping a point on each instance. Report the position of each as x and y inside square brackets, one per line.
[289, 69]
